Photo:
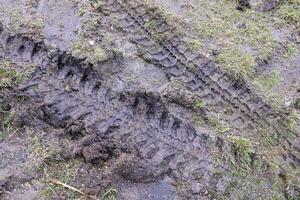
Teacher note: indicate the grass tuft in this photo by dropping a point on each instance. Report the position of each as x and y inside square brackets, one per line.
[243, 150]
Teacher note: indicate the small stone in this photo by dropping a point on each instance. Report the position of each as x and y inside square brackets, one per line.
[91, 42]
[68, 88]
[288, 103]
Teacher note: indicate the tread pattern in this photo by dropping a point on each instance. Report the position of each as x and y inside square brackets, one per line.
[105, 123]
[67, 93]
[201, 75]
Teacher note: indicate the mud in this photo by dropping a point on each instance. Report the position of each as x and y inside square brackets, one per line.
[105, 122]
[132, 115]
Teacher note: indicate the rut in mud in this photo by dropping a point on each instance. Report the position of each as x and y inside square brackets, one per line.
[216, 88]
[104, 121]
[162, 45]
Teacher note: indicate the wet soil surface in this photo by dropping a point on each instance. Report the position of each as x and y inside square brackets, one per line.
[151, 122]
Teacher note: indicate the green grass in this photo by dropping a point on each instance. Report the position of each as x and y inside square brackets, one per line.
[241, 145]
[267, 81]
[6, 118]
[9, 75]
[199, 104]
[292, 122]
[238, 63]
[243, 149]
[265, 84]
[63, 171]
[16, 20]
[290, 50]
[194, 45]
[110, 194]
[220, 126]
[241, 37]
[94, 53]
[289, 13]
[12, 75]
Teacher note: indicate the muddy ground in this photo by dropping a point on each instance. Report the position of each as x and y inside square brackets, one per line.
[127, 99]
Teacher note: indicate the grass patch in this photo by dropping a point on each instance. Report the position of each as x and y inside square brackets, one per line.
[199, 104]
[238, 63]
[289, 13]
[290, 50]
[194, 45]
[62, 171]
[292, 122]
[15, 20]
[267, 81]
[6, 118]
[265, 84]
[241, 145]
[84, 48]
[9, 75]
[219, 125]
[12, 75]
[241, 37]
[243, 149]
[110, 194]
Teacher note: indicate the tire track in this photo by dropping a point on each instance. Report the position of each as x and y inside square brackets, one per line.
[204, 77]
[69, 94]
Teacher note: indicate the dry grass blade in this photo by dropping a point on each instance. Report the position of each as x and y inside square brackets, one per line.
[57, 182]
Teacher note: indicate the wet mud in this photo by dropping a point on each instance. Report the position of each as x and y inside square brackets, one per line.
[137, 113]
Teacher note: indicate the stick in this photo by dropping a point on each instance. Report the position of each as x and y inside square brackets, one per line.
[57, 182]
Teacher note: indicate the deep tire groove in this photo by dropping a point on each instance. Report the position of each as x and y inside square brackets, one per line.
[67, 92]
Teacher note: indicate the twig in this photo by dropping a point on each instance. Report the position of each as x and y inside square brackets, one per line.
[57, 182]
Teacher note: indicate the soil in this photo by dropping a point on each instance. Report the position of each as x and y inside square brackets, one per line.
[131, 107]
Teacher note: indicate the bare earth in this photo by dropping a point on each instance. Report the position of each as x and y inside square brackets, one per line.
[149, 100]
